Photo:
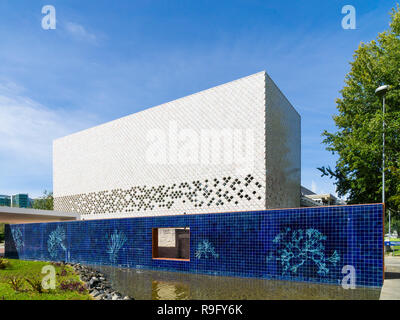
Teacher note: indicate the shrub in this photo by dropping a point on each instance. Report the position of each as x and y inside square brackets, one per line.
[16, 283]
[63, 272]
[3, 263]
[35, 283]
[57, 264]
[72, 286]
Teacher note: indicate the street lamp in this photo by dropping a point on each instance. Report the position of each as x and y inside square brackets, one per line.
[381, 91]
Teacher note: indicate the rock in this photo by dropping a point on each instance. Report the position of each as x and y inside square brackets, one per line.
[100, 296]
[93, 282]
[95, 293]
[97, 284]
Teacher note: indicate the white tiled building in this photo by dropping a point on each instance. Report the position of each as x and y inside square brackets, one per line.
[233, 147]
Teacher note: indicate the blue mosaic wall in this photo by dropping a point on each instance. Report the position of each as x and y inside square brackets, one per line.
[305, 244]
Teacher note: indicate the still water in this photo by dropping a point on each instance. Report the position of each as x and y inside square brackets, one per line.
[161, 285]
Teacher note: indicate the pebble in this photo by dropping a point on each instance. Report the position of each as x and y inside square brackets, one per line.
[98, 286]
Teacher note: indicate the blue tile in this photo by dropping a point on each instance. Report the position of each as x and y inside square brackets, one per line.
[304, 244]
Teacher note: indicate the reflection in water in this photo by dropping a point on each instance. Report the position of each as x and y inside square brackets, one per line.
[162, 285]
[162, 290]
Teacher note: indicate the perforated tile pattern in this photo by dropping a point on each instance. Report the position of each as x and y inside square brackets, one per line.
[200, 194]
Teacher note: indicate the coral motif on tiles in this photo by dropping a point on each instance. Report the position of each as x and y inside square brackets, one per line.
[298, 248]
[115, 242]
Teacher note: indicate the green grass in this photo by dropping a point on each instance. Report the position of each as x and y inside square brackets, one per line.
[33, 269]
[395, 249]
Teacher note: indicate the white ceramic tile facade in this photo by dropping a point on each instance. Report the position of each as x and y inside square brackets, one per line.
[283, 150]
[112, 170]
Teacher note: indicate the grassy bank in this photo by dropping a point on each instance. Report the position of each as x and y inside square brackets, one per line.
[21, 280]
[395, 250]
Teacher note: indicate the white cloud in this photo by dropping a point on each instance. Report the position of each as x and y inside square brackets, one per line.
[78, 31]
[317, 189]
[313, 186]
[27, 130]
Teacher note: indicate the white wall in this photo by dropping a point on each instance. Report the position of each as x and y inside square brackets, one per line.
[158, 161]
[283, 150]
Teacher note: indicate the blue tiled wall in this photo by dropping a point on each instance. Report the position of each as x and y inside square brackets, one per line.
[305, 244]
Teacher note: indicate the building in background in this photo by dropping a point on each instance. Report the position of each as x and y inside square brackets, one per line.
[5, 201]
[234, 147]
[311, 199]
[20, 200]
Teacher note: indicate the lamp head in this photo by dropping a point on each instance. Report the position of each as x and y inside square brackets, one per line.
[382, 90]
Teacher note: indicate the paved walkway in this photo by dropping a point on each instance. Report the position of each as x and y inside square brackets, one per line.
[391, 286]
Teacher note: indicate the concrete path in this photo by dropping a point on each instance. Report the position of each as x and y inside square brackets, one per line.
[391, 286]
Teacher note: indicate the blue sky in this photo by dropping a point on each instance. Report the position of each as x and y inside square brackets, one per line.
[108, 59]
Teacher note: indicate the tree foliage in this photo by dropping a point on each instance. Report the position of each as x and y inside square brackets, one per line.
[358, 140]
[45, 202]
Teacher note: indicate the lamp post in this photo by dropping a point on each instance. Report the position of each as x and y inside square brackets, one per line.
[381, 91]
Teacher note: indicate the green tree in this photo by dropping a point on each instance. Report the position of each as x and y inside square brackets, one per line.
[358, 140]
[1, 232]
[44, 202]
